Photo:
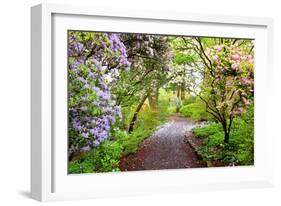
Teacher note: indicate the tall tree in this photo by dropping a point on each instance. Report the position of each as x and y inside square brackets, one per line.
[149, 56]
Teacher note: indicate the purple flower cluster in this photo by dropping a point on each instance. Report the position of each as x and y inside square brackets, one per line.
[92, 110]
[75, 47]
[93, 117]
[116, 45]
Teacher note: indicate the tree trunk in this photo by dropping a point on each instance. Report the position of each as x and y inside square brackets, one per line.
[178, 104]
[135, 116]
[153, 98]
[182, 91]
[152, 101]
[226, 137]
[226, 132]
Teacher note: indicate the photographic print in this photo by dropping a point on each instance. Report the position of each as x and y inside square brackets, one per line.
[150, 102]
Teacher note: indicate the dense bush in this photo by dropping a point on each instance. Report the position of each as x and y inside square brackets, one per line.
[130, 142]
[195, 111]
[208, 131]
[239, 151]
[104, 158]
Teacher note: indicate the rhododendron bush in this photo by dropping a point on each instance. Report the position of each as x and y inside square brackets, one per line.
[94, 62]
[229, 87]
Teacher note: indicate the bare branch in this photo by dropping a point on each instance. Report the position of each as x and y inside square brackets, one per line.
[202, 50]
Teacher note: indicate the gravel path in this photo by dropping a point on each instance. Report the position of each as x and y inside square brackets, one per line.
[165, 149]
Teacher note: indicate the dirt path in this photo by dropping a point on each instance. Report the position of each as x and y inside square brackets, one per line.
[165, 149]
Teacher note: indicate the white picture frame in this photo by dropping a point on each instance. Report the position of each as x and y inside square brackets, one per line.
[49, 178]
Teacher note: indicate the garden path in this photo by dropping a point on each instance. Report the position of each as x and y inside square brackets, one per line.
[165, 149]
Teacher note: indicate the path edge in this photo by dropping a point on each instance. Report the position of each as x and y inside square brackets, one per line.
[195, 147]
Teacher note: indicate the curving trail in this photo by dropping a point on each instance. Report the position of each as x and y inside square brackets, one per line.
[165, 149]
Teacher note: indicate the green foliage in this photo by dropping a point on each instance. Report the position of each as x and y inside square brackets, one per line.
[189, 100]
[239, 151]
[208, 131]
[172, 109]
[195, 111]
[130, 142]
[104, 158]
[147, 121]
[164, 108]
[181, 58]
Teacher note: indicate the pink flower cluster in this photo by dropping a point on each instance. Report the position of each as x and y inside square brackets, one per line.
[218, 47]
[238, 111]
[246, 81]
[232, 71]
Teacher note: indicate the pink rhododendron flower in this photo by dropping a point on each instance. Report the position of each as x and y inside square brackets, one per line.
[251, 61]
[218, 47]
[215, 57]
[240, 110]
[246, 81]
[235, 66]
[246, 101]
[235, 57]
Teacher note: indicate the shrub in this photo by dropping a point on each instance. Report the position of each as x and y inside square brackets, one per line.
[91, 107]
[203, 132]
[196, 111]
[130, 142]
[239, 151]
[172, 109]
[148, 119]
[146, 123]
[104, 158]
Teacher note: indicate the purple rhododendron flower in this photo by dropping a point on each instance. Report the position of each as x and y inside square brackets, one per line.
[87, 148]
[92, 109]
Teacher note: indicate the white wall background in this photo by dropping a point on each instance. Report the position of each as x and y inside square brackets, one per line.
[15, 101]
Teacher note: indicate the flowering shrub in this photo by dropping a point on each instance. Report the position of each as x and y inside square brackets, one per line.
[230, 87]
[94, 62]
[232, 81]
